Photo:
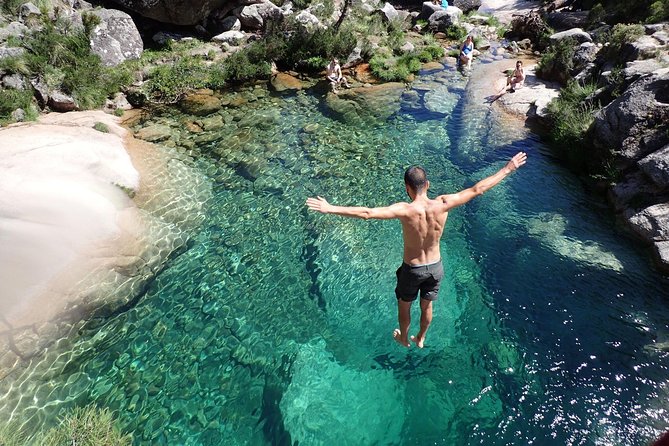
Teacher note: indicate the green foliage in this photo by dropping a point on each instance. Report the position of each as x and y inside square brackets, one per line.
[658, 11]
[243, 66]
[119, 112]
[11, 100]
[169, 83]
[571, 115]
[431, 52]
[14, 41]
[87, 426]
[556, 63]
[14, 65]
[596, 14]
[65, 61]
[301, 4]
[90, 21]
[396, 37]
[11, 7]
[101, 127]
[622, 34]
[389, 68]
[456, 32]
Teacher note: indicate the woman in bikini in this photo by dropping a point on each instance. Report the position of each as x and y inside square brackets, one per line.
[517, 78]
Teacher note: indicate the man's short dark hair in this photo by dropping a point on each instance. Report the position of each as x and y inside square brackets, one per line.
[416, 178]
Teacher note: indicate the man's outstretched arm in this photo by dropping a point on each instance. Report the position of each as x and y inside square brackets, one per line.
[320, 204]
[462, 197]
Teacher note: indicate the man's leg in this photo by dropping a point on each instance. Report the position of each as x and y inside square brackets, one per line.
[425, 320]
[404, 319]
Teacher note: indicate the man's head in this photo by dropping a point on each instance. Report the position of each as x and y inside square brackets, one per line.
[415, 179]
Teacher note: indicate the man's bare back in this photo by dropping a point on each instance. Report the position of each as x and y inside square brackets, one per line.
[423, 221]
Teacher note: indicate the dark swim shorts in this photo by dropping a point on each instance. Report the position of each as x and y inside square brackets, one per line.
[412, 278]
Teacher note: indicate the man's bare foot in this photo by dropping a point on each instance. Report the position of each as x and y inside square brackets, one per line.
[419, 342]
[397, 334]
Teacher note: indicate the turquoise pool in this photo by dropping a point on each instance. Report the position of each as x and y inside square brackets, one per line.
[274, 327]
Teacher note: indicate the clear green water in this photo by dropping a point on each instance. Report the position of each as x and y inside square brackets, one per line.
[274, 327]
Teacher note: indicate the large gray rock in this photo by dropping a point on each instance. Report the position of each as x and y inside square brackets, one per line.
[563, 20]
[11, 52]
[61, 102]
[29, 14]
[14, 82]
[575, 33]
[467, 5]
[440, 21]
[652, 223]
[427, 10]
[116, 39]
[635, 124]
[585, 54]
[231, 23]
[377, 102]
[178, 12]
[308, 21]
[656, 166]
[233, 38]
[389, 13]
[254, 17]
[645, 47]
[16, 29]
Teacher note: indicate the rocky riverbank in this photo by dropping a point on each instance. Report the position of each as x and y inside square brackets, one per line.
[89, 216]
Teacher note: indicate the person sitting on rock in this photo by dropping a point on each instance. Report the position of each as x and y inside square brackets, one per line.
[335, 76]
[467, 52]
[516, 78]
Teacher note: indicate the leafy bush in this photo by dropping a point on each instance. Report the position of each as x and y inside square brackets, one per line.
[622, 34]
[658, 11]
[596, 14]
[11, 100]
[169, 83]
[571, 115]
[557, 62]
[396, 37]
[389, 68]
[456, 32]
[242, 66]
[66, 63]
[431, 52]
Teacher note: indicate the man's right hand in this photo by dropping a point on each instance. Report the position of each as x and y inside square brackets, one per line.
[318, 204]
[518, 160]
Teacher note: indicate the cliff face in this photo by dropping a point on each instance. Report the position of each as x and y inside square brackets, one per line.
[178, 12]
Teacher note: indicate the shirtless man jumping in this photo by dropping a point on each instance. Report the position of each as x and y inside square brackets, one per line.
[423, 222]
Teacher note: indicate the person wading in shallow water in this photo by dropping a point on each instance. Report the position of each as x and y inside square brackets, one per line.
[423, 222]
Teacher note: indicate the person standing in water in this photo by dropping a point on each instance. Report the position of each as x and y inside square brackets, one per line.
[423, 221]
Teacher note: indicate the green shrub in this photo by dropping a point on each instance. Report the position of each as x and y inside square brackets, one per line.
[571, 115]
[239, 67]
[389, 68]
[658, 11]
[557, 62]
[87, 426]
[169, 83]
[119, 112]
[14, 65]
[622, 34]
[431, 52]
[596, 14]
[66, 63]
[11, 100]
[11, 7]
[396, 37]
[456, 32]
[101, 127]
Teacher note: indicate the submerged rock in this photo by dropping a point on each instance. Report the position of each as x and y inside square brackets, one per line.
[284, 81]
[200, 103]
[377, 102]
